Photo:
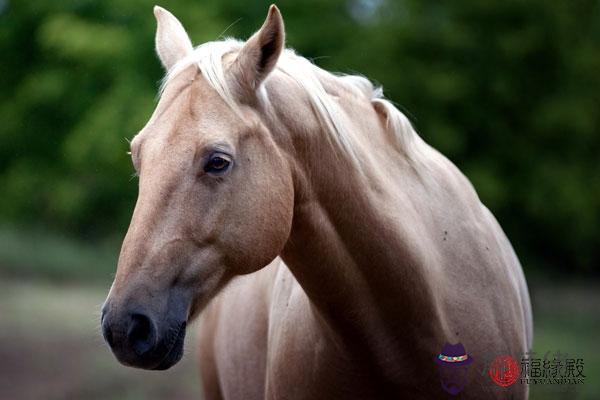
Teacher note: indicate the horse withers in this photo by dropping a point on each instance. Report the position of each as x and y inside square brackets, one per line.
[343, 251]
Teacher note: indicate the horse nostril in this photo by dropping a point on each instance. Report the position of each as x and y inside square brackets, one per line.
[141, 334]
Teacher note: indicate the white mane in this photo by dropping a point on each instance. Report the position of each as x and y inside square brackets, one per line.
[208, 57]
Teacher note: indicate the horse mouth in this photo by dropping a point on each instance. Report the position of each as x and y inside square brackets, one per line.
[175, 349]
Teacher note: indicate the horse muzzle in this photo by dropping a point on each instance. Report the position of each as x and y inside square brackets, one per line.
[140, 339]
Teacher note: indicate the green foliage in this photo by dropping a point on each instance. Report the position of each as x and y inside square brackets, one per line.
[509, 90]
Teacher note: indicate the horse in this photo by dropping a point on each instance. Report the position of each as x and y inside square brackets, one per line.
[330, 251]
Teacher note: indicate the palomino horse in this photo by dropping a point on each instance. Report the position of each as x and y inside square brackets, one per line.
[253, 153]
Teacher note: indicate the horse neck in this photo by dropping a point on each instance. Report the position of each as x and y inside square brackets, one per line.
[355, 245]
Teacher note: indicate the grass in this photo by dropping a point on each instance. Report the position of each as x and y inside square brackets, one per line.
[567, 318]
[51, 348]
[36, 253]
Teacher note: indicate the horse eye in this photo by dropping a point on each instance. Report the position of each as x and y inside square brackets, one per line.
[217, 164]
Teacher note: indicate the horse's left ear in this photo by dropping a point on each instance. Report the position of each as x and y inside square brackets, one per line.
[260, 53]
[172, 42]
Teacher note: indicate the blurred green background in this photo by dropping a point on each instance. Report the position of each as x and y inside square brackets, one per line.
[508, 90]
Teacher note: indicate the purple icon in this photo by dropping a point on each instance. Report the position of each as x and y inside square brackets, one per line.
[454, 367]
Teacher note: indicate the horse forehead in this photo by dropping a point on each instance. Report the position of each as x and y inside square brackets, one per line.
[188, 104]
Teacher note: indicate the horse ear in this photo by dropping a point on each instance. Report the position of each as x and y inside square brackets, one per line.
[172, 42]
[260, 53]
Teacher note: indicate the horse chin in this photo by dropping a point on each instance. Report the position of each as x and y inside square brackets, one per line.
[175, 353]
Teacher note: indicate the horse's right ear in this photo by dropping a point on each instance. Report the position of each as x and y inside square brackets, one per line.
[172, 42]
